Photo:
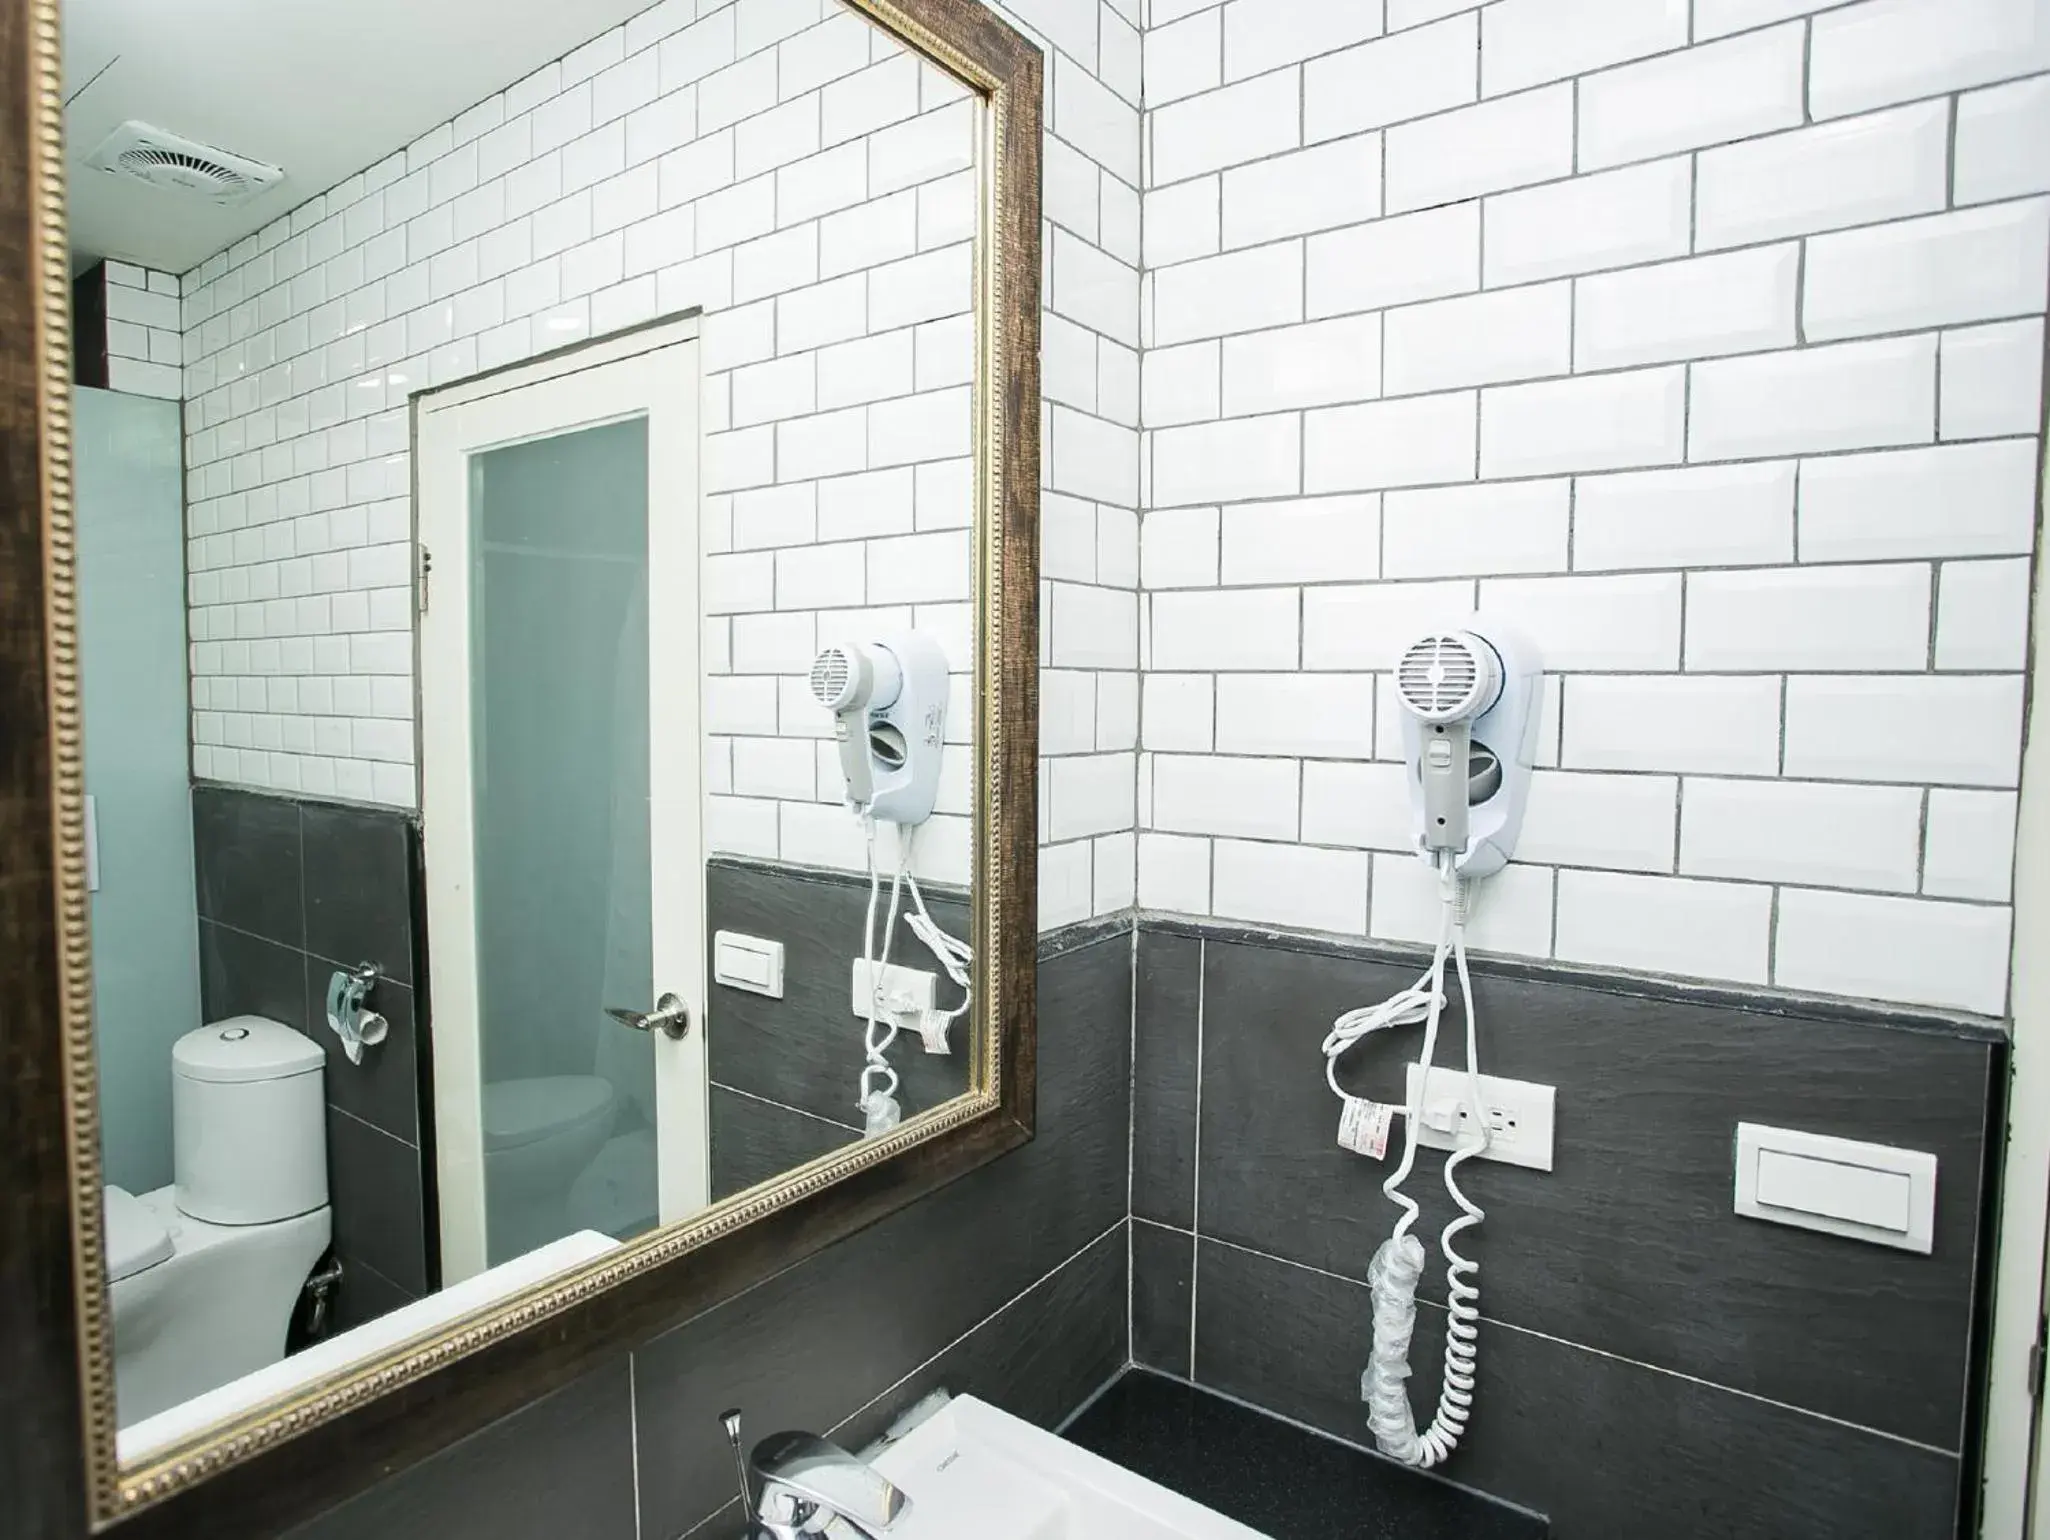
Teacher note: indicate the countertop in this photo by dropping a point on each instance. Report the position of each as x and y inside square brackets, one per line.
[1277, 1477]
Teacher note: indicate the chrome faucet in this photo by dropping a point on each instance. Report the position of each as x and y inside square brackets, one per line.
[812, 1489]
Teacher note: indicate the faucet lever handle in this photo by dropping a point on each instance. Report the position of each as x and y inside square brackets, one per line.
[730, 1419]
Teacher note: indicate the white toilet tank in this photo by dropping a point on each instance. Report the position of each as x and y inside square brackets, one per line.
[248, 1124]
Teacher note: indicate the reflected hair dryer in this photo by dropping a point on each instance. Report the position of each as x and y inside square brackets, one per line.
[889, 703]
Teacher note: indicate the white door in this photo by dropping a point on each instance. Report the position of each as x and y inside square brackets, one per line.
[560, 796]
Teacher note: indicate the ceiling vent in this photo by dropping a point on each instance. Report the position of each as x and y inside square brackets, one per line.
[179, 165]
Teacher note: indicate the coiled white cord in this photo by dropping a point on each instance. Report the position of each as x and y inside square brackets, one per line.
[1413, 1005]
[1462, 1290]
[1399, 1263]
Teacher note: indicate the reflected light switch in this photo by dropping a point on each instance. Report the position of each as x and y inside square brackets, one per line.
[1869, 1192]
[749, 963]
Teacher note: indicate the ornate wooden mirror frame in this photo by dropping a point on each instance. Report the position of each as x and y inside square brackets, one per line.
[59, 1474]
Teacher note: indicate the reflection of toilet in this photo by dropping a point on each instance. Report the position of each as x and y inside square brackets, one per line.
[538, 1135]
[616, 1193]
[205, 1273]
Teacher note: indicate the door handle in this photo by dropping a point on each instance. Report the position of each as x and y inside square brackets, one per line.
[671, 1017]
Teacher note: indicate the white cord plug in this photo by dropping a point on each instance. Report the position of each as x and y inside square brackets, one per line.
[1442, 1116]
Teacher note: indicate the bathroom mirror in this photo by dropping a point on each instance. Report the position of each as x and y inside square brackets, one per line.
[538, 522]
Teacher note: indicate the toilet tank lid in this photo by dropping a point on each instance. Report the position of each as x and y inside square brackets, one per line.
[136, 1238]
[245, 1048]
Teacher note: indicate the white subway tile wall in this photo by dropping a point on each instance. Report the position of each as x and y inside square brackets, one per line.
[792, 170]
[1089, 546]
[1705, 343]
[145, 340]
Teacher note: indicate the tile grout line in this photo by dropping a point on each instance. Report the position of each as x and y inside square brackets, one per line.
[1635, 1363]
[926, 1363]
[1196, 1148]
[1132, 1137]
[1553, 86]
[768, 1101]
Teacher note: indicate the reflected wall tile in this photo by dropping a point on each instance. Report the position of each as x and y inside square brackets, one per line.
[816, 1344]
[754, 1140]
[248, 862]
[358, 877]
[364, 1295]
[245, 975]
[375, 1187]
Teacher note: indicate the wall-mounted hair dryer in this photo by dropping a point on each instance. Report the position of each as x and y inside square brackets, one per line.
[889, 703]
[1470, 705]
[1470, 697]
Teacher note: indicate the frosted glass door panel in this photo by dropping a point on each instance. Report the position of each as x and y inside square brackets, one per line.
[559, 721]
[131, 646]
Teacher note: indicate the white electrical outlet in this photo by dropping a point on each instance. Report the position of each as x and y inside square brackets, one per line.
[1519, 1116]
[907, 991]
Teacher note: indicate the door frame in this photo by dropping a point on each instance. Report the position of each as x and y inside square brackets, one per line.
[2015, 1468]
[655, 371]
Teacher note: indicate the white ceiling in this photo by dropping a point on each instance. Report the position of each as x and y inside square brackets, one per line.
[322, 88]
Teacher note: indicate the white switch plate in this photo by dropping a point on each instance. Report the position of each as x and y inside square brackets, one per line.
[905, 983]
[1519, 1115]
[1869, 1192]
[748, 962]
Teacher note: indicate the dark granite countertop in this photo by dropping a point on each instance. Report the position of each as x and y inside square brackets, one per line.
[1279, 1478]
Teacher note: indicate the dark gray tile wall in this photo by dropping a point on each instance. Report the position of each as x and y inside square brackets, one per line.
[560, 1467]
[1748, 1378]
[754, 1140]
[1650, 1363]
[1167, 994]
[786, 1073]
[1605, 1448]
[1163, 1268]
[1010, 1284]
[289, 891]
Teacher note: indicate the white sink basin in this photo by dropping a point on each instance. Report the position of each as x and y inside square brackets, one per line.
[970, 1469]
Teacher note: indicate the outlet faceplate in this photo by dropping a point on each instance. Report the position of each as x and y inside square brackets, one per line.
[910, 986]
[1519, 1115]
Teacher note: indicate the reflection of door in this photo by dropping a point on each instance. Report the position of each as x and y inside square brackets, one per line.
[138, 783]
[561, 814]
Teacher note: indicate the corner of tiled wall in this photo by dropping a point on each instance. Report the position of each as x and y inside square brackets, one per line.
[1705, 343]
[1089, 547]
